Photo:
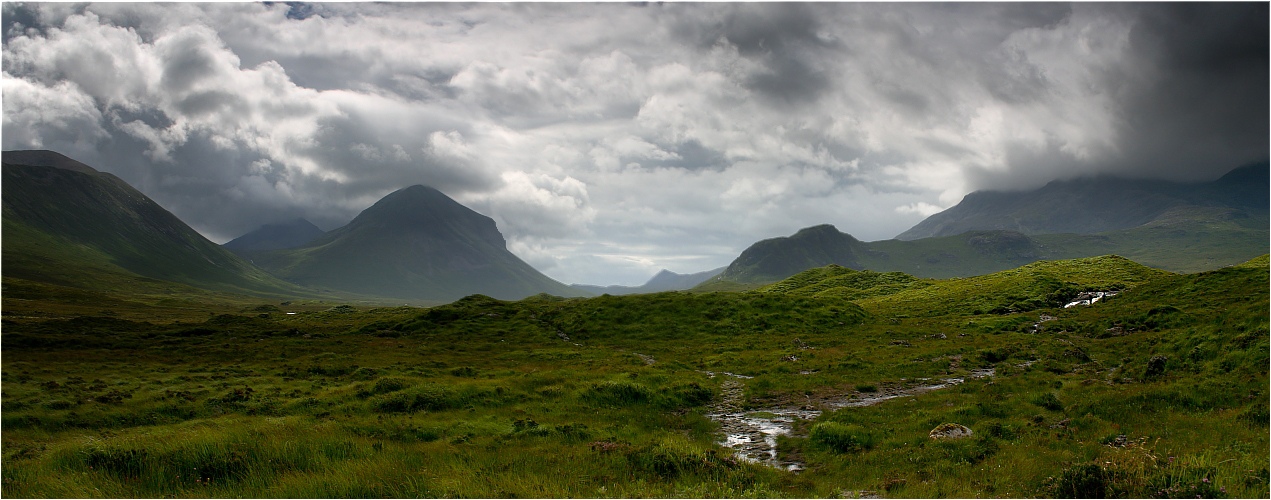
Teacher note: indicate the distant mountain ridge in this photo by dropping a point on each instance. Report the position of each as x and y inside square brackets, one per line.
[1094, 205]
[61, 217]
[1185, 238]
[415, 243]
[663, 281]
[278, 236]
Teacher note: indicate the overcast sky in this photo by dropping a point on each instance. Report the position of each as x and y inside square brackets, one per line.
[609, 141]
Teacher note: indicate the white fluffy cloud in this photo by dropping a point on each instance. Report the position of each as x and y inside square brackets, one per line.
[611, 140]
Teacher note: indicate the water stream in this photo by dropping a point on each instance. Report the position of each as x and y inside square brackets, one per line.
[753, 434]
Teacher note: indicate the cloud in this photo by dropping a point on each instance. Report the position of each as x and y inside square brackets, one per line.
[612, 140]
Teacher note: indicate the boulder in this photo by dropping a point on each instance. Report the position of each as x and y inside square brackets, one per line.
[950, 431]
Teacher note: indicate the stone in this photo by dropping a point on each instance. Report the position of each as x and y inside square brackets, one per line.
[950, 431]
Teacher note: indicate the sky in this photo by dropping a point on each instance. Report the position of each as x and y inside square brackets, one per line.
[609, 141]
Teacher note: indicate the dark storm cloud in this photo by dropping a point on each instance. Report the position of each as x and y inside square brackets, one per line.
[1190, 98]
[15, 19]
[1204, 109]
[783, 38]
[615, 129]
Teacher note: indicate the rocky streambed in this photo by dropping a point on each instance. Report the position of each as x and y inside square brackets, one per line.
[752, 434]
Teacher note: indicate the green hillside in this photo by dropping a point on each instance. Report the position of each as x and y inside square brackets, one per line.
[1034, 286]
[66, 224]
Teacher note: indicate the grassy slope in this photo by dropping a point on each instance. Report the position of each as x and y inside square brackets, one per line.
[486, 398]
[60, 224]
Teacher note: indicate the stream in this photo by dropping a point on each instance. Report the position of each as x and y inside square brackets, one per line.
[753, 434]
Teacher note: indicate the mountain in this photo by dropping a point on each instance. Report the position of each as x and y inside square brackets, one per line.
[663, 281]
[417, 244]
[290, 234]
[1096, 205]
[778, 258]
[67, 224]
[1182, 239]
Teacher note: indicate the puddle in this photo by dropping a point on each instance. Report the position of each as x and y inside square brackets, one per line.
[753, 434]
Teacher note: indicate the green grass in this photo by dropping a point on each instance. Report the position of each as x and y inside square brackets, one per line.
[607, 396]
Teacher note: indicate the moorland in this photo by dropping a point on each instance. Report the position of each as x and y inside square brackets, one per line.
[1158, 391]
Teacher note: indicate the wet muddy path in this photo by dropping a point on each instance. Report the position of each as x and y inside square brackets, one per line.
[753, 434]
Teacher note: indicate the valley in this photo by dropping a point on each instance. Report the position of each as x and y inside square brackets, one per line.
[1158, 391]
[409, 353]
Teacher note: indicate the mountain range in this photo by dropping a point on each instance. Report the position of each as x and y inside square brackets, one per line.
[66, 224]
[663, 281]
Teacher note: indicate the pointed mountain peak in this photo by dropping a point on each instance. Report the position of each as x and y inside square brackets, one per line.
[424, 210]
[664, 273]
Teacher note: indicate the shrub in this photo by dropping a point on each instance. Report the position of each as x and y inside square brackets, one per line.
[1256, 414]
[464, 371]
[389, 384]
[997, 430]
[364, 373]
[430, 398]
[1081, 481]
[691, 394]
[1155, 366]
[58, 404]
[669, 459]
[618, 393]
[1048, 401]
[842, 438]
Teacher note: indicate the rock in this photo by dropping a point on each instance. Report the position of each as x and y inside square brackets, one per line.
[950, 431]
[1089, 298]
